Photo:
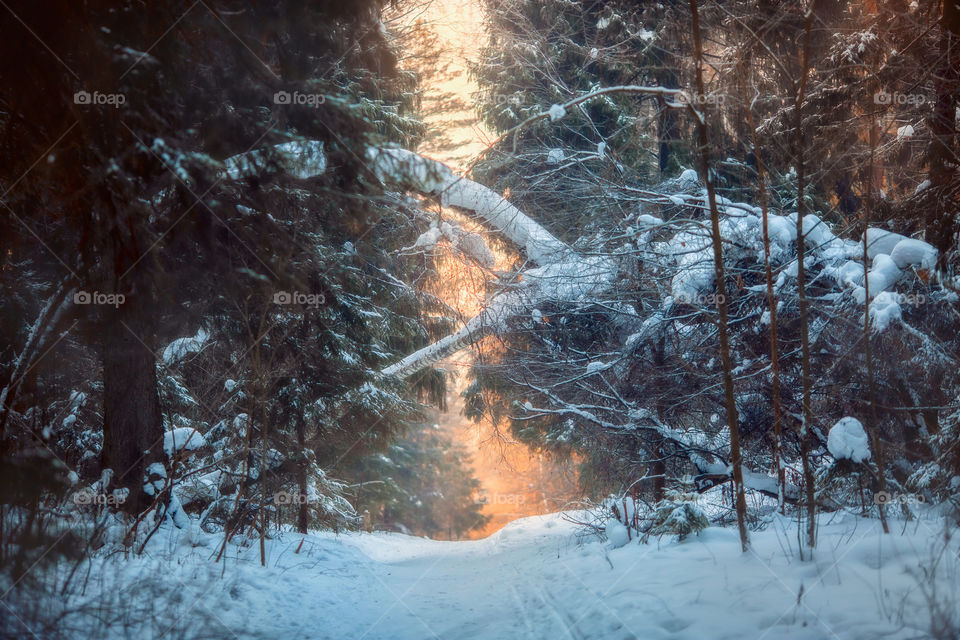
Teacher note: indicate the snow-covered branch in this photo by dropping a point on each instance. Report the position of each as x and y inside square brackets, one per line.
[558, 111]
[477, 328]
[40, 333]
[710, 473]
[402, 168]
[561, 274]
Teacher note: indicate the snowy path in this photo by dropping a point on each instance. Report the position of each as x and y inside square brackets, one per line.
[533, 580]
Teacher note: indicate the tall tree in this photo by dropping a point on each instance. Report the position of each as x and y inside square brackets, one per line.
[707, 176]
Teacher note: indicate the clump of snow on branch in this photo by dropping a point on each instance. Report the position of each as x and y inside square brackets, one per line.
[470, 244]
[555, 156]
[180, 348]
[848, 440]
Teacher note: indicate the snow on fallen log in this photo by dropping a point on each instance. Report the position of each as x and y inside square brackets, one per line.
[573, 279]
[753, 481]
[477, 328]
[407, 169]
[562, 273]
[402, 168]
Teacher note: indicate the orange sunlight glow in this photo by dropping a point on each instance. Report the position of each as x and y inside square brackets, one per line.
[516, 481]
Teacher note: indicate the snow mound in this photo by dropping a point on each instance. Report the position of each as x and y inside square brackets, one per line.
[182, 439]
[556, 113]
[617, 533]
[881, 241]
[909, 252]
[847, 440]
[474, 246]
[689, 176]
[883, 275]
[885, 310]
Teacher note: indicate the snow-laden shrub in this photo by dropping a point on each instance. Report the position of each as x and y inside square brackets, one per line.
[678, 513]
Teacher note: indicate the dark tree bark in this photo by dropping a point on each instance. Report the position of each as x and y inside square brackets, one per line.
[302, 515]
[132, 421]
[872, 422]
[669, 126]
[941, 217]
[669, 120]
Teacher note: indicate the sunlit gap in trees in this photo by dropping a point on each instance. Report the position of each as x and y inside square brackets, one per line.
[516, 482]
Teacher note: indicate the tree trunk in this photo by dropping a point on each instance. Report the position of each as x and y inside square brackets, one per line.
[668, 137]
[941, 221]
[872, 429]
[302, 519]
[802, 289]
[132, 421]
[772, 306]
[659, 470]
[719, 273]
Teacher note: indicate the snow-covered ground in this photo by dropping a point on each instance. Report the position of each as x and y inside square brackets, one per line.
[537, 578]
